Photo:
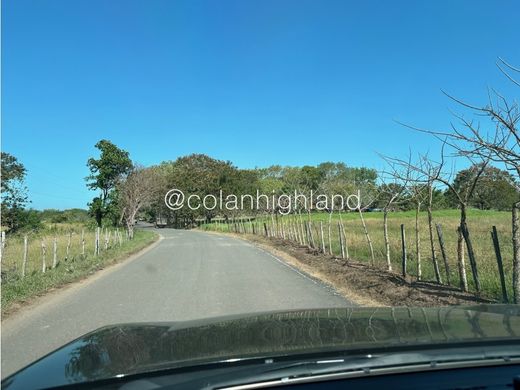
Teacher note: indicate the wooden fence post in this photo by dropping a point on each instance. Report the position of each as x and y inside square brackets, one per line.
[329, 234]
[403, 246]
[369, 240]
[322, 238]
[106, 238]
[68, 246]
[303, 230]
[44, 251]
[471, 255]
[341, 241]
[443, 252]
[96, 243]
[83, 242]
[345, 243]
[55, 252]
[498, 254]
[460, 261]
[311, 235]
[25, 249]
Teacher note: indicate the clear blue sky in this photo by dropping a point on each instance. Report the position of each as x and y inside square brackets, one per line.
[255, 82]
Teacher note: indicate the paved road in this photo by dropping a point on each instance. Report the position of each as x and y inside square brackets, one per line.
[187, 275]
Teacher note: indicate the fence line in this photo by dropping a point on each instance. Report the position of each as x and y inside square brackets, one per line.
[69, 252]
[318, 236]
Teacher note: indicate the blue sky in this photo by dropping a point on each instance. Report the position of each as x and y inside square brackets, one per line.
[255, 82]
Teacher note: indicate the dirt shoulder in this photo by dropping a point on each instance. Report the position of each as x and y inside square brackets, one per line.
[360, 283]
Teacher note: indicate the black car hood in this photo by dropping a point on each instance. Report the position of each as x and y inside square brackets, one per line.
[134, 348]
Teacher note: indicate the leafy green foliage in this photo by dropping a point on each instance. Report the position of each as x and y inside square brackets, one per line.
[105, 172]
[14, 192]
[495, 188]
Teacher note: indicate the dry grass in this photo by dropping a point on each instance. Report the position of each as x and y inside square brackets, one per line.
[13, 252]
[16, 290]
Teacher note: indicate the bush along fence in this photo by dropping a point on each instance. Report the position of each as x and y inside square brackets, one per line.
[447, 264]
[31, 253]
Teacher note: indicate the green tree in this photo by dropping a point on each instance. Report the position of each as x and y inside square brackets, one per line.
[14, 192]
[105, 172]
[495, 188]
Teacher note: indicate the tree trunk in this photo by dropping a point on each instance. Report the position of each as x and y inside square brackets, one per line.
[469, 246]
[403, 247]
[330, 234]
[516, 252]
[345, 244]
[130, 228]
[443, 252]
[460, 261]
[387, 241]
[322, 239]
[418, 242]
[432, 245]
[342, 247]
[371, 247]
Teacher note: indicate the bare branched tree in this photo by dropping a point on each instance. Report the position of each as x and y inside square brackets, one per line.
[393, 187]
[490, 134]
[416, 190]
[136, 192]
[422, 174]
[429, 173]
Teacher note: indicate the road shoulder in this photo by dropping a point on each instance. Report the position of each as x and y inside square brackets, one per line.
[18, 310]
[357, 281]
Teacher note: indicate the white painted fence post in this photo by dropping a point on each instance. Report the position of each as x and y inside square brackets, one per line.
[83, 242]
[24, 264]
[54, 252]
[68, 246]
[44, 251]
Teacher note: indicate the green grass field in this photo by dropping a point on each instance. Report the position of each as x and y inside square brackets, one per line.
[479, 222]
[18, 289]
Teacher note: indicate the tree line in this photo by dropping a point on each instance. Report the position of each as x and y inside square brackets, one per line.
[128, 191]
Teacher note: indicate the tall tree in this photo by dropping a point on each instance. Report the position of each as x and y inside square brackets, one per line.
[14, 192]
[496, 188]
[105, 172]
[491, 133]
[135, 193]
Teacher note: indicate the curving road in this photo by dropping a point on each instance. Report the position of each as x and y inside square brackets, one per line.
[186, 275]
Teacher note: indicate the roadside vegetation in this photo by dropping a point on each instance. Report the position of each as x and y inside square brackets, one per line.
[42, 250]
[69, 267]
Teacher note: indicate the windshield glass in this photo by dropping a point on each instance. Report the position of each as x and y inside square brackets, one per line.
[196, 182]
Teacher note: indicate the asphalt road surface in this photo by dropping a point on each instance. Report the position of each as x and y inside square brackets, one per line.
[186, 275]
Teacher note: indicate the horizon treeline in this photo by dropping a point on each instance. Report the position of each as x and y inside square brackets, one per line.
[201, 175]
